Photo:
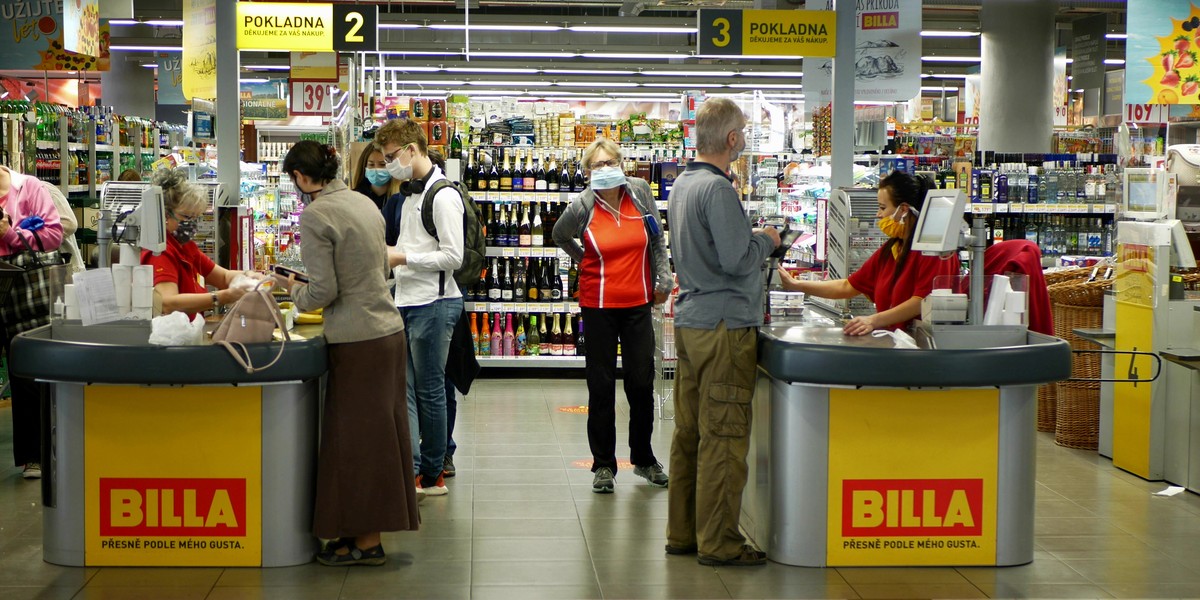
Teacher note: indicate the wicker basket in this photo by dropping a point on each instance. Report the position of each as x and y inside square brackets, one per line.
[1076, 304]
[1047, 407]
[1075, 274]
[1078, 422]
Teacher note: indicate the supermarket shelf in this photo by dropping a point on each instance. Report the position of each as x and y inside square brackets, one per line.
[527, 251]
[502, 197]
[73, 146]
[536, 362]
[77, 189]
[48, 145]
[984, 208]
[522, 307]
[104, 147]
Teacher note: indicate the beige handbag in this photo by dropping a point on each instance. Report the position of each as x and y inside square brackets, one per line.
[251, 320]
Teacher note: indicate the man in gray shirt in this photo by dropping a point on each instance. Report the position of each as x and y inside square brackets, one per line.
[718, 260]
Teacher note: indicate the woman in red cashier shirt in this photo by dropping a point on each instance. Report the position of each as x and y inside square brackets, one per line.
[894, 278]
[178, 269]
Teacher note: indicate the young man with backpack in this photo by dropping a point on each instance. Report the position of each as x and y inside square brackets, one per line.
[426, 260]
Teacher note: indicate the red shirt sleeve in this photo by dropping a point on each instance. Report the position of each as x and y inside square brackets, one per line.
[863, 280]
[165, 268]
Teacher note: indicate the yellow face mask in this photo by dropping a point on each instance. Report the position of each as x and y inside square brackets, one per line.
[893, 229]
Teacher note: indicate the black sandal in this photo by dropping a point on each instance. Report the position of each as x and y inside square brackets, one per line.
[372, 557]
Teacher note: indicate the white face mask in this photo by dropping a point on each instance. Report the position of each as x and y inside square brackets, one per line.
[398, 171]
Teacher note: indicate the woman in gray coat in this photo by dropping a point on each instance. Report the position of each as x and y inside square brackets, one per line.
[366, 453]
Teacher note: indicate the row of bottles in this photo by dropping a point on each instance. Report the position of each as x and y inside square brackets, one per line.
[525, 280]
[541, 174]
[521, 226]
[1051, 183]
[1057, 235]
[48, 164]
[100, 122]
[519, 334]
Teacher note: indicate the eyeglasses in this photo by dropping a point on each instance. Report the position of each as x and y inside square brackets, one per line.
[612, 162]
[392, 156]
[184, 218]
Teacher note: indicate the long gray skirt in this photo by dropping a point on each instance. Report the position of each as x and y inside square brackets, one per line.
[365, 464]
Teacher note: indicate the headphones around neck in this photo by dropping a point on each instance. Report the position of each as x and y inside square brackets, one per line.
[415, 186]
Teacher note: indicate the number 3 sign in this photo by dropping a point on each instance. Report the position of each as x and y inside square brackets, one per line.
[311, 98]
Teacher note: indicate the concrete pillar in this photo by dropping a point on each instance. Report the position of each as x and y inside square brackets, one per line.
[128, 87]
[229, 108]
[842, 159]
[1016, 114]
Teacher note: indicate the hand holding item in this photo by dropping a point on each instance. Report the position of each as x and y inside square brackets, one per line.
[285, 282]
[860, 325]
[771, 233]
[789, 282]
[230, 295]
[5, 224]
[660, 297]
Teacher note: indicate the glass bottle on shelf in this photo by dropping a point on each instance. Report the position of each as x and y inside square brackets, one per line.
[481, 174]
[506, 176]
[556, 339]
[493, 177]
[534, 346]
[539, 177]
[468, 172]
[518, 176]
[536, 237]
[544, 281]
[568, 337]
[545, 337]
[485, 338]
[580, 347]
[475, 330]
[494, 281]
[573, 281]
[497, 336]
[509, 336]
[524, 233]
[578, 182]
[533, 291]
[506, 286]
[564, 177]
[519, 340]
[552, 174]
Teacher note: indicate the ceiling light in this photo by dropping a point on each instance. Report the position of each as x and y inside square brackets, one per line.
[946, 75]
[253, 80]
[512, 83]
[628, 29]
[165, 22]
[938, 88]
[949, 33]
[963, 59]
[635, 55]
[438, 82]
[489, 70]
[268, 67]
[495, 27]
[872, 103]
[123, 22]
[772, 73]
[1114, 61]
[146, 48]
[683, 85]
[596, 84]
[401, 26]
[404, 69]
[644, 99]
[749, 56]
[764, 86]
[689, 73]
[419, 53]
[151, 66]
[1116, 36]
[525, 54]
[587, 72]
[787, 96]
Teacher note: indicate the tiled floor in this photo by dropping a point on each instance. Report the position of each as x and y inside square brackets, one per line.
[521, 522]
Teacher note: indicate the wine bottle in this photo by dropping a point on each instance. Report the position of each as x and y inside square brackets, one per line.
[506, 176]
[533, 348]
[481, 174]
[497, 337]
[556, 341]
[485, 338]
[524, 234]
[494, 281]
[509, 337]
[519, 348]
[544, 281]
[580, 348]
[564, 177]
[545, 337]
[552, 174]
[573, 281]
[475, 331]
[493, 177]
[548, 223]
[577, 182]
[539, 177]
[568, 338]
[511, 226]
[481, 288]
[456, 146]
[468, 170]
[532, 292]
[518, 176]
[506, 285]
[556, 288]
[519, 284]
[537, 234]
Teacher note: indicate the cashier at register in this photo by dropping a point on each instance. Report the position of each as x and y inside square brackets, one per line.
[894, 277]
[178, 269]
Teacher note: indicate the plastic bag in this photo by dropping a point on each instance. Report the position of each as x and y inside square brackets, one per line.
[175, 329]
[901, 338]
[247, 281]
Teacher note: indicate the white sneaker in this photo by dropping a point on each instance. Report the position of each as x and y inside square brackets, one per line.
[32, 471]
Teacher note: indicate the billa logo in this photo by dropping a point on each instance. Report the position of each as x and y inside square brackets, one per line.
[912, 507]
[885, 20]
[168, 507]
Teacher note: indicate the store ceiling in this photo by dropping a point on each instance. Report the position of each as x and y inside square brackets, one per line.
[421, 49]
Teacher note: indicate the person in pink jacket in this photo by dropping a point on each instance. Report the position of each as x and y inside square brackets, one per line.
[30, 220]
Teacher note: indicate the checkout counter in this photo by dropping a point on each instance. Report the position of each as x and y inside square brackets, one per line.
[863, 454]
[174, 456]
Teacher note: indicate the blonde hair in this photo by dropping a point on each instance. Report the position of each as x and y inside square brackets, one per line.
[715, 119]
[601, 144]
[179, 194]
[403, 132]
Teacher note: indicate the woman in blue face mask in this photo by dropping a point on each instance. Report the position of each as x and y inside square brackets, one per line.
[894, 278]
[612, 230]
[177, 269]
[371, 177]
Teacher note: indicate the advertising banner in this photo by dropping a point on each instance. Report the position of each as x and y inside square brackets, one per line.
[887, 55]
[81, 27]
[895, 496]
[1161, 52]
[170, 78]
[32, 38]
[1087, 51]
[1058, 98]
[177, 490]
[972, 93]
[263, 100]
[314, 66]
[199, 49]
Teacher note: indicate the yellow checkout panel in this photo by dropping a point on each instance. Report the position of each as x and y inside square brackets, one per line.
[868, 455]
[173, 456]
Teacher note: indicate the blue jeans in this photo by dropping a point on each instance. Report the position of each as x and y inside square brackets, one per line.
[429, 329]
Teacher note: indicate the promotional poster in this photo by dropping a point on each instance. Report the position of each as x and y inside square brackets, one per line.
[887, 55]
[1161, 52]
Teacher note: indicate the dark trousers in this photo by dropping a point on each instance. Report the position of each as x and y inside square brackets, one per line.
[26, 414]
[451, 413]
[634, 330]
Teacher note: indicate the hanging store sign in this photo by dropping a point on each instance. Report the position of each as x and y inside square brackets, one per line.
[1114, 91]
[766, 32]
[1087, 51]
[170, 78]
[32, 39]
[311, 98]
[1162, 57]
[81, 27]
[316, 66]
[292, 26]
[1146, 113]
[199, 49]
[887, 53]
[263, 100]
[1058, 97]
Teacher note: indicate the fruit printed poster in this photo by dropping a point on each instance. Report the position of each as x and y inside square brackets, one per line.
[1162, 54]
[31, 38]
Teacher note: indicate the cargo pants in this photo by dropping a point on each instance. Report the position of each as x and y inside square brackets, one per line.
[713, 388]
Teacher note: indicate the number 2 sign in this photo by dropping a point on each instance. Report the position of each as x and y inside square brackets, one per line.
[311, 98]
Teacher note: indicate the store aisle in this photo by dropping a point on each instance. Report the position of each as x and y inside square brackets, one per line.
[520, 521]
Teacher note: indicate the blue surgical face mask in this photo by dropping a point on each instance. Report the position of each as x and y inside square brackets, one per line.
[607, 178]
[378, 177]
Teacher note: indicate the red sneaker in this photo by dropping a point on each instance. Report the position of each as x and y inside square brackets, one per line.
[438, 488]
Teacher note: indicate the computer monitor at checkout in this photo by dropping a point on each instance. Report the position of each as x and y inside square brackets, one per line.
[1147, 194]
[940, 222]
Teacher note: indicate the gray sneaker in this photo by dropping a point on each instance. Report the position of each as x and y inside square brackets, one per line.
[654, 474]
[602, 483]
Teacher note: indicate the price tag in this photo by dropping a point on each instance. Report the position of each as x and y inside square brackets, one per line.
[539, 308]
[506, 196]
[508, 252]
[1016, 207]
[1096, 208]
[510, 307]
[1146, 113]
[574, 308]
[559, 307]
[1110, 208]
[1001, 208]
[311, 98]
[495, 307]
[542, 197]
[1079, 208]
[981, 209]
[522, 307]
